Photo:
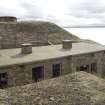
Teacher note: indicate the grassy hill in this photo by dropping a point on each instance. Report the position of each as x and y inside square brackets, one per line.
[73, 89]
[36, 32]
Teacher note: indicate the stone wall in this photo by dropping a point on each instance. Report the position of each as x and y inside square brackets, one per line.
[89, 59]
[13, 36]
[22, 74]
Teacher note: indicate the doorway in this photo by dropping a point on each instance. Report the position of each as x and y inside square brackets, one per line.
[38, 73]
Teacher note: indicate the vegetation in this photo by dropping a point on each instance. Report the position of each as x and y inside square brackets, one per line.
[73, 89]
[15, 33]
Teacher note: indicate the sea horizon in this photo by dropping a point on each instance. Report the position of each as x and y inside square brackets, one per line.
[96, 34]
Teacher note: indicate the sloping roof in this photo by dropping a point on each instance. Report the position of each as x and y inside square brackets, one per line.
[14, 56]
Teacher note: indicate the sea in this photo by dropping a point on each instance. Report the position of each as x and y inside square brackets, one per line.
[95, 34]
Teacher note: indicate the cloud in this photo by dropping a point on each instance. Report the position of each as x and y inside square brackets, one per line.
[11, 7]
[87, 12]
[89, 9]
[62, 12]
[34, 9]
[93, 6]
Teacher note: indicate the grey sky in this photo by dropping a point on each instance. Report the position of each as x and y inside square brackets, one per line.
[63, 12]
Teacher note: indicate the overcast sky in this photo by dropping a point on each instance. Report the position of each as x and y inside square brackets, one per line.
[63, 12]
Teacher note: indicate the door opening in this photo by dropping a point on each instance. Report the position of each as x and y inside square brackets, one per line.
[38, 73]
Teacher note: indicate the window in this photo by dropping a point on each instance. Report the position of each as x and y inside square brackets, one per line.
[3, 80]
[83, 68]
[93, 67]
[38, 73]
[56, 70]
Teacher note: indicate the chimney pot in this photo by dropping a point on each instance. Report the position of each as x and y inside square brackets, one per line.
[26, 48]
[67, 44]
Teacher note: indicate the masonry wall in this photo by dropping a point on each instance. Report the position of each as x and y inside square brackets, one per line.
[13, 34]
[89, 59]
[22, 74]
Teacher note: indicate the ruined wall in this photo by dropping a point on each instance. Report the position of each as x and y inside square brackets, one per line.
[89, 59]
[22, 74]
[13, 35]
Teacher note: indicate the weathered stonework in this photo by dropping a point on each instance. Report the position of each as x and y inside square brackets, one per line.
[38, 33]
[22, 74]
[89, 59]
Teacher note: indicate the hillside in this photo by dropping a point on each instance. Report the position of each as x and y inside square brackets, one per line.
[73, 89]
[39, 33]
[90, 41]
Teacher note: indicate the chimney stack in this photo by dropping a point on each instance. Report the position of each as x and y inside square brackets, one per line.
[67, 44]
[26, 48]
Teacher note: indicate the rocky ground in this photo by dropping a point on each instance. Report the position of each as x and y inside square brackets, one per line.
[74, 89]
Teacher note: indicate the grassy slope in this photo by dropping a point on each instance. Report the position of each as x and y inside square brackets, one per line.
[15, 33]
[90, 41]
[54, 33]
[73, 89]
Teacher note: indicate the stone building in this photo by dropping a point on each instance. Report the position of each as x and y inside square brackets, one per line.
[31, 64]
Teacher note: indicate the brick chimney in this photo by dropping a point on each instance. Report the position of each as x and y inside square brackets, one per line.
[26, 48]
[67, 44]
